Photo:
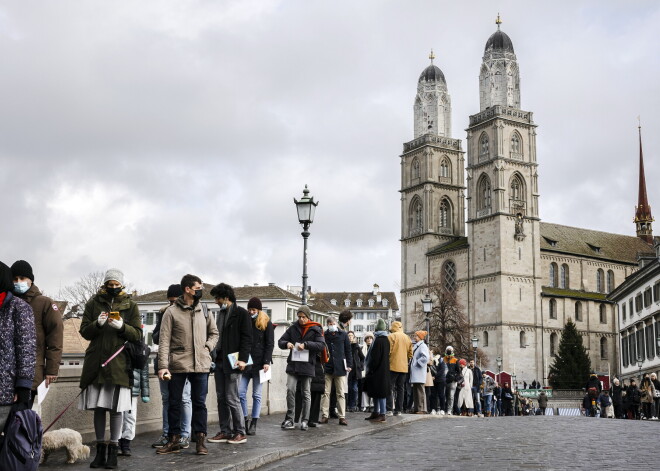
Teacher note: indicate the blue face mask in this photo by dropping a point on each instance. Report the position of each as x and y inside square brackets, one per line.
[332, 328]
[254, 316]
[21, 287]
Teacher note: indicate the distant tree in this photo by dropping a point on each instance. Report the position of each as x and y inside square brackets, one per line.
[572, 365]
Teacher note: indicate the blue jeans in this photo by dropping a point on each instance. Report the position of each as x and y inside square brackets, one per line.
[186, 407]
[199, 388]
[380, 406]
[488, 400]
[352, 393]
[475, 399]
[256, 395]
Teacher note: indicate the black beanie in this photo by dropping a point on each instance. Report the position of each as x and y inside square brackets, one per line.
[254, 303]
[174, 291]
[6, 283]
[22, 268]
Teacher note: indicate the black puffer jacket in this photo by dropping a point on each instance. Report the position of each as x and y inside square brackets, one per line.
[314, 342]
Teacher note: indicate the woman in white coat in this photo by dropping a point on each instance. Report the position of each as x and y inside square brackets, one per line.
[418, 363]
[465, 396]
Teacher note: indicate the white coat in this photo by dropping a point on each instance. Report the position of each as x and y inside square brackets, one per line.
[465, 396]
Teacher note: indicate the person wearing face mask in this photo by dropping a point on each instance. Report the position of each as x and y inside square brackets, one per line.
[263, 342]
[48, 324]
[338, 366]
[107, 388]
[173, 292]
[303, 335]
[235, 329]
[188, 335]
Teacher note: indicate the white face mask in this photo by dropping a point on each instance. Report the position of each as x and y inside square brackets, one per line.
[332, 328]
[254, 316]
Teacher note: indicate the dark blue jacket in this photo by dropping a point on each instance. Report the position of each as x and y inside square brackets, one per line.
[477, 377]
[339, 349]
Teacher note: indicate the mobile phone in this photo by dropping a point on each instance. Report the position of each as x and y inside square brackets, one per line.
[114, 315]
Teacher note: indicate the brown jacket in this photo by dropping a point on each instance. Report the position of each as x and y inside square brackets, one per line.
[50, 334]
[187, 337]
[400, 348]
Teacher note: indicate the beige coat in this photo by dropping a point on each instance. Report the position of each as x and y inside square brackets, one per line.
[186, 339]
[400, 348]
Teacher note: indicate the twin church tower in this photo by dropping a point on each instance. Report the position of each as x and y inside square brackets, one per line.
[501, 271]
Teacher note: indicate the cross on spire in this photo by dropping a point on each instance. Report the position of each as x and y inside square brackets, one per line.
[431, 56]
[498, 21]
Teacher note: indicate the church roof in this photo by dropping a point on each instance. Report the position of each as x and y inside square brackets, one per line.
[499, 40]
[432, 74]
[592, 244]
[572, 293]
[456, 244]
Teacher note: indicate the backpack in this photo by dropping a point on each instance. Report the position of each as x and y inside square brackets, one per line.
[21, 449]
[138, 354]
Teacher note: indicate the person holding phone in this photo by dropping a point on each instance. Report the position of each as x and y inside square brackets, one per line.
[110, 319]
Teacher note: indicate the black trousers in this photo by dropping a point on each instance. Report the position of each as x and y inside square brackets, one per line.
[395, 399]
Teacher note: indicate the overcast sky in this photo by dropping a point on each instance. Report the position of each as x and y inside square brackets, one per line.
[167, 137]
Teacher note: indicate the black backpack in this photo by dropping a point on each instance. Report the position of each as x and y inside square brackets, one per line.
[138, 354]
[21, 448]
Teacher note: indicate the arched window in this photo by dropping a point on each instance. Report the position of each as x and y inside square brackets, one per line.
[415, 169]
[445, 168]
[416, 217]
[563, 277]
[553, 308]
[553, 275]
[600, 281]
[517, 192]
[449, 276]
[516, 147]
[484, 147]
[445, 214]
[610, 281]
[523, 339]
[553, 344]
[484, 193]
[603, 348]
[578, 311]
[603, 314]
[485, 338]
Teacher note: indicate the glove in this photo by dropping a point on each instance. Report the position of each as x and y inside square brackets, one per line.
[145, 399]
[117, 324]
[102, 318]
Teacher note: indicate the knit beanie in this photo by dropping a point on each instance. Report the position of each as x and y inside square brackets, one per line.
[6, 283]
[254, 303]
[174, 291]
[380, 325]
[22, 268]
[305, 310]
[114, 274]
[421, 334]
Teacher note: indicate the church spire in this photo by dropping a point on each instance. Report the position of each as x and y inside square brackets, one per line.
[643, 218]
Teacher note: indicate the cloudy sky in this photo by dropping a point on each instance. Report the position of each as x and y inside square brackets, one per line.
[166, 137]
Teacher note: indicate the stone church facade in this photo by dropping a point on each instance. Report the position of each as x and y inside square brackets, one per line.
[518, 279]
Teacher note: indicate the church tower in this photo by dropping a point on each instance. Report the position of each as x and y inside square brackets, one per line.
[643, 219]
[503, 213]
[432, 183]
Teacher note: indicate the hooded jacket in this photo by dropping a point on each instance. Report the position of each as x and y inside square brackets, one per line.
[400, 348]
[50, 333]
[187, 338]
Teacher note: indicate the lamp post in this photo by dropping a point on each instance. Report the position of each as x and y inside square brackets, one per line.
[306, 208]
[498, 360]
[513, 381]
[475, 344]
[640, 362]
[427, 307]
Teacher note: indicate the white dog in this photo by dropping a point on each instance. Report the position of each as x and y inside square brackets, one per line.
[64, 438]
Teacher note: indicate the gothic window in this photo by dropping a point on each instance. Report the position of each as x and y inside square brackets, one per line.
[517, 188]
[415, 169]
[416, 217]
[516, 147]
[600, 281]
[445, 168]
[523, 339]
[553, 275]
[578, 311]
[553, 344]
[603, 314]
[484, 147]
[610, 281]
[449, 276]
[445, 214]
[483, 193]
[603, 348]
[485, 339]
[563, 277]
[553, 308]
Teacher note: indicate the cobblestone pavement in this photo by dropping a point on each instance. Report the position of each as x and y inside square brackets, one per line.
[512, 443]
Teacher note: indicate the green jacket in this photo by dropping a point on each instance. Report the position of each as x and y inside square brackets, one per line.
[106, 340]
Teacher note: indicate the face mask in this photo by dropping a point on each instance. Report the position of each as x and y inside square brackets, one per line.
[224, 306]
[332, 328]
[21, 287]
[113, 291]
[198, 294]
[254, 316]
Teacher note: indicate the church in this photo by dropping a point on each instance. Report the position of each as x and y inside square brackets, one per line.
[474, 227]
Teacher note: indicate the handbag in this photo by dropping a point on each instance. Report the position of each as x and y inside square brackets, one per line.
[429, 378]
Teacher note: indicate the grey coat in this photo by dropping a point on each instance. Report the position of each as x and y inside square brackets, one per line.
[418, 363]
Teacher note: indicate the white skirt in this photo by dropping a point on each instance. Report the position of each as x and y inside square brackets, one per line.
[107, 396]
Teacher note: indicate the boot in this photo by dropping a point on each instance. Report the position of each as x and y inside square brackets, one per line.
[372, 416]
[99, 459]
[200, 447]
[252, 430]
[111, 462]
[124, 447]
[173, 446]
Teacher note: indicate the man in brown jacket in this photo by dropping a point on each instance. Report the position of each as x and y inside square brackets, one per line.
[188, 335]
[47, 321]
[400, 355]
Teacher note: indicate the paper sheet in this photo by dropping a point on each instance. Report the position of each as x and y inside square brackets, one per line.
[42, 390]
[265, 375]
[299, 355]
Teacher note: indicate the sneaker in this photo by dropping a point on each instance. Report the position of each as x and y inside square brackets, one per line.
[238, 438]
[480, 414]
[184, 442]
[449, 413]
[162, 441]
[433, 412]
[219, 438]
[286, 425]
[441, 413]
[390, 413]
[303, 425]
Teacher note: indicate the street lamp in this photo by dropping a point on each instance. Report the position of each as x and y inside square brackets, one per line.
[498, 360]
[475, 344]
[306, 208]
[427, 307]
[640, 362]
[513, 381]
